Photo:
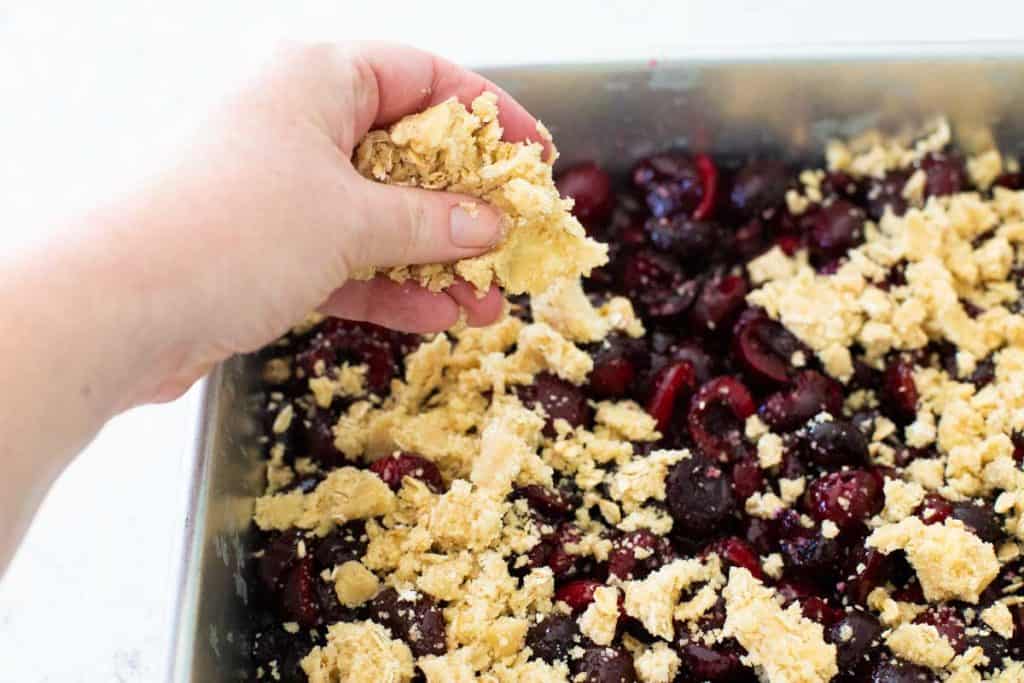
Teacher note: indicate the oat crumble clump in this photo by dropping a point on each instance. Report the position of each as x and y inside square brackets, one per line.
[796, 463]
[451, 148]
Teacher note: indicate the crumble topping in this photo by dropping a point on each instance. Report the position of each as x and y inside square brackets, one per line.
[935, 287]
[653, 600]
[451, 148]
[785, 646]
[360, 651]
[354, 583]
[657, 664]
[346, 494]
[951, 562]
[601, 618]
[921, 644]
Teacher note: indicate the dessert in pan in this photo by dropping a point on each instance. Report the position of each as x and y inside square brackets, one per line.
[771, 432]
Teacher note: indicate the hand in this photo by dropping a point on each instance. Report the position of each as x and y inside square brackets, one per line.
[262, 221]
[266, 218]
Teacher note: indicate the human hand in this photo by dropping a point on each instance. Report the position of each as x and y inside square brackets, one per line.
[266, 218]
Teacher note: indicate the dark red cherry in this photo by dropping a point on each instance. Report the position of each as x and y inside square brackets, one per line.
[591, 190]
[833, 443]
[578, 594]
[637, 553]
[767, 350]
[699, 496]
[553, 637]
[810, 394]
[604, 665]
[419, 621]
[947, 621]
[899, 392]
[393, 469]
[836, 228]
[558, 398]
[717, 416]
[735, 552]
[760, 185]
[719, 300]
[846, 498]
[299, 599]
[944, 174]
[671, 384]
[934, 509]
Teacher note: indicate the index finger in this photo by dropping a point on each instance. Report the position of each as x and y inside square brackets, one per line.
[408, 80]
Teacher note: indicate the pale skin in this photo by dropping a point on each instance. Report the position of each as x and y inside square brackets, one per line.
[262, 220]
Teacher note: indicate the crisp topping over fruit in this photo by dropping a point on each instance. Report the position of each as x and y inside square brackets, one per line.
[785, 646]
[451, 148]
[360, 651]
[952, 563]
[780, 438]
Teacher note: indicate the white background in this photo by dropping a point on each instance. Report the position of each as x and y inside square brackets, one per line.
[92, 94]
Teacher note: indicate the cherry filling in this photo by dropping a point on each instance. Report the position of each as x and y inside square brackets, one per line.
[680, 234]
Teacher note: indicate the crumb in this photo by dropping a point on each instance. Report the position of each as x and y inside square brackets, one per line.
[448, 147]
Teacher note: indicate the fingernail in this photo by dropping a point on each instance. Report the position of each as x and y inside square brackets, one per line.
[471, 227]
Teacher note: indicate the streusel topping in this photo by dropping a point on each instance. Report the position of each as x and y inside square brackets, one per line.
[789, 451]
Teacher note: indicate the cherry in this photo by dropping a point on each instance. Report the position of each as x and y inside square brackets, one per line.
[578, 594]
[604, 665]
[765, 349]
[699, 496]
[708, 173]
[854, 635]
[844, 498]
[718, 663]
[657, 283]
[591, 190]
[316, 439]
[735, 552]
[837, 227]
[299, 599]
[669, 384]
[887, 193]
[899, 392]
[418, 621]
[671, 183]
[934, 509]
[719, 299]
[944, 174]
[550, 503]
[810, 552]
[393, 469]
[612, 378]
[901, 671]
[553, 637]
[947, 621]
[559, 399]
[638, 553]
[1011, 181]
[344, 543]
[810, 394]
[717, 415]
[747, 478]
[833, 443]
[686, 238]
[981, 519]
[760, 185]
[279, 556]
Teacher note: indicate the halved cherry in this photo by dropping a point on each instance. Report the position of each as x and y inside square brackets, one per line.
[716, 417]
[669, 384]
[708, 173]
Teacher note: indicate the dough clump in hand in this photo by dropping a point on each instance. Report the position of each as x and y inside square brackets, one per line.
[454, 149]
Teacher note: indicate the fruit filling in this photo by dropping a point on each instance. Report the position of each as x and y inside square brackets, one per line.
[777, 437]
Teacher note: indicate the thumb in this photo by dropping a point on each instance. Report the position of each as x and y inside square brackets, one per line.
[404, 226]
